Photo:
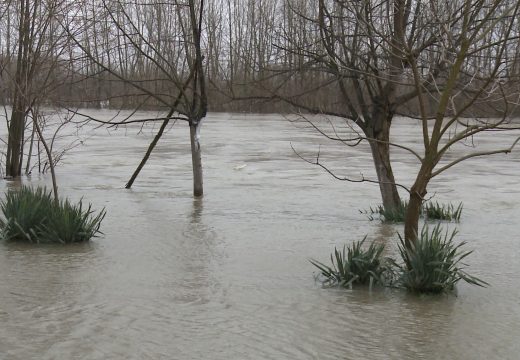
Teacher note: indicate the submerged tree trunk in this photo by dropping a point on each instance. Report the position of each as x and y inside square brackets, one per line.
[196, 158]
[378, 133]
[17, 122]
[417, 194]
[14, 142]
[411, 224]
[385, 175]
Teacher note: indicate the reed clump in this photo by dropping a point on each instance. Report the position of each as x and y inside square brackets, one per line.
[430, 211]
[432, 264]
[353, 264]
[33, 215]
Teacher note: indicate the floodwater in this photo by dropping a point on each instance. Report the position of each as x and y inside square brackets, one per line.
[227, 276]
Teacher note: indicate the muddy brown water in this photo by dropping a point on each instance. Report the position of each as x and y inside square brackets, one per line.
[228, 277]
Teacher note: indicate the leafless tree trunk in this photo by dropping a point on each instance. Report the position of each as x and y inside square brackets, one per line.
[17, 121]
[341, 59]
[462, 30]
[34, 75]
[29, 154]
[48, 152]
[196, 158]
[165, 70]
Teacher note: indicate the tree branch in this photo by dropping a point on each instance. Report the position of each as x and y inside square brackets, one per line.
[362, 179]
[477, 154]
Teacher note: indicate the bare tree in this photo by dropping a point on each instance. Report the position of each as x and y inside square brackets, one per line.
[366, 61]
[472, 41]
[155, 53]
[346, 59]
[32, 70]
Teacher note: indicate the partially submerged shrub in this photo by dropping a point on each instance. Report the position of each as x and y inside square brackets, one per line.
[436, 211]
[433, 264]
[353, 265]
[33, 215]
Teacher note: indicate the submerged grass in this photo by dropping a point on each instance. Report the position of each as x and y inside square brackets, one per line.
[433, 264]
[32, 215]
[430, 210]
[70, 223]
[353, 265]
[448, 212]
[396, 215]
[23, 212]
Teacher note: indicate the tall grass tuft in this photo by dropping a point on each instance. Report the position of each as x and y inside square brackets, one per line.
[32, 215]
[434, 263]
[430, 210]
[448, 212]
[70, 223]
[23, 212]
[397, 215]
[353, 265]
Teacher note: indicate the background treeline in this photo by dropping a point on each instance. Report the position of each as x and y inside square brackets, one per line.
[259, 55]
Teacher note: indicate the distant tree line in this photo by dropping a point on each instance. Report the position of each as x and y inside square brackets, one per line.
[259, 55]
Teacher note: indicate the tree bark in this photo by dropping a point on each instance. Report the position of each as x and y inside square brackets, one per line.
[413, 212]
[50, 159]
[148, 152]
[29, 154]
[196, 158]
[385, 175]
[378, 133]
[417, 194]
[16, 125]
[14, 142]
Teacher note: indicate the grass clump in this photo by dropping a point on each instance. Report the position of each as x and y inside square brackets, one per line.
[448, 212]
[433, 264]
[70, 223]
[23, 211]
[353, 265]
[430, 210]
[396, 215]
[33, 215]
